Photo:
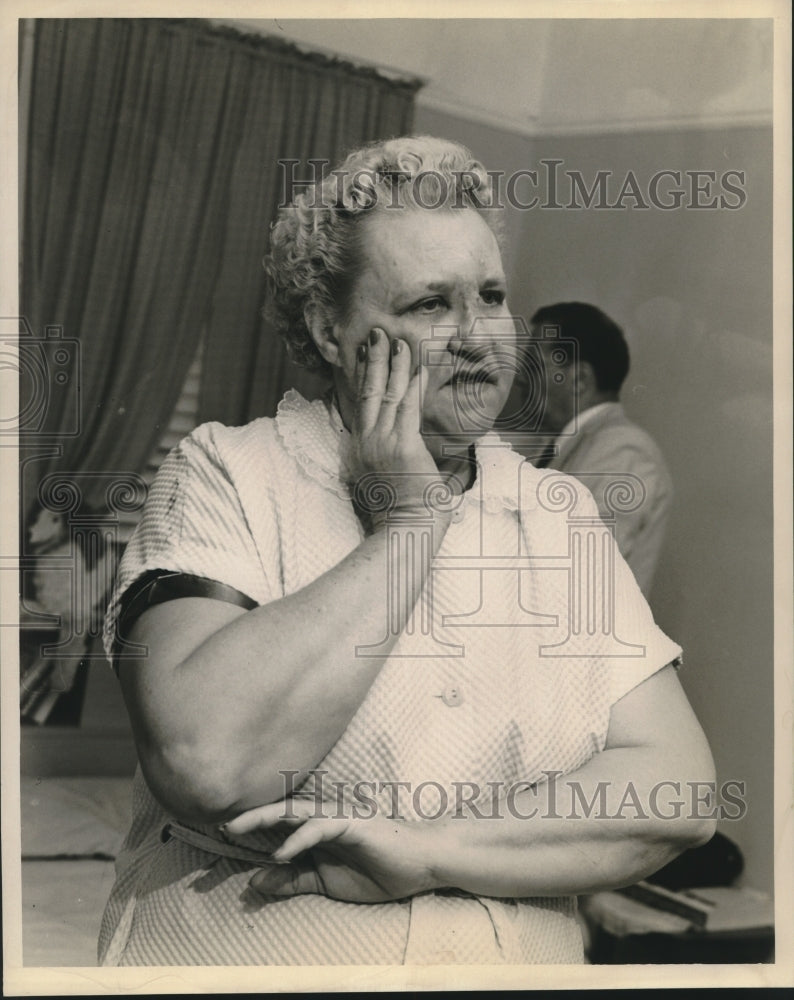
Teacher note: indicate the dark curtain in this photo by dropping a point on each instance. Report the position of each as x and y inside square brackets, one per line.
[296, 107]
[151, 180]
[130, 146]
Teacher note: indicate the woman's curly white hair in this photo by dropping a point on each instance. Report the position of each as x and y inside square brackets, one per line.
[315, 243]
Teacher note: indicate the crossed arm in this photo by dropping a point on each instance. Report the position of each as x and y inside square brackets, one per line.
[222, 765]
[620, 817]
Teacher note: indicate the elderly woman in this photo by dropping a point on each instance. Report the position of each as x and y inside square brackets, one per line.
[371, 725]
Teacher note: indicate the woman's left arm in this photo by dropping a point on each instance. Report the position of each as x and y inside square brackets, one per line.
[621, 816]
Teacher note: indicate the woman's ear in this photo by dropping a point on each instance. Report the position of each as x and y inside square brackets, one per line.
[321, 329]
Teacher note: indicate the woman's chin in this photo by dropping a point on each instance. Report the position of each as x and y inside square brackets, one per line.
[447, 442]
[457, 428]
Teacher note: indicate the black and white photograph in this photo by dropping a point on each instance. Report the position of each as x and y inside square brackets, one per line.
[396, 536]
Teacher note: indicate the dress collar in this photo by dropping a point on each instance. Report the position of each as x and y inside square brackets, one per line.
[313, 434]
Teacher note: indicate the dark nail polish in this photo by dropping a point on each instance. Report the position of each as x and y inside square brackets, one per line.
[373, 337]
[396, 346]
[362, 352]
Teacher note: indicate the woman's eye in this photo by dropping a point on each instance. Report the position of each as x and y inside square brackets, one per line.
[429, 305]
[493, 296]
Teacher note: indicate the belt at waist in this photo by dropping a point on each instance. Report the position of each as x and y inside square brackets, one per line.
[222, 848]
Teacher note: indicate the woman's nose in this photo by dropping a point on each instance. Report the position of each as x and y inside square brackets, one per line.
[464, 321]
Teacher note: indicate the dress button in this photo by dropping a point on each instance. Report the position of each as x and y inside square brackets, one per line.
[452, 696]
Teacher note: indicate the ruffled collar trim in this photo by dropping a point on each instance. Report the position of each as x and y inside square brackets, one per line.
[313, 434]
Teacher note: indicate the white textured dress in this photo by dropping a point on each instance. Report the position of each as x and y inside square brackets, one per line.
[534, 629]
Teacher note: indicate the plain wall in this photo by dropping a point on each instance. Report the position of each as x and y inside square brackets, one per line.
[692, 288]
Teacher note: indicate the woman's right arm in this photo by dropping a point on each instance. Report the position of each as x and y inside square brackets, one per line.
[226, 700]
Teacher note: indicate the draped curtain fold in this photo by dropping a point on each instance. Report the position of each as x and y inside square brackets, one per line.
[152, 177]
[294, 110]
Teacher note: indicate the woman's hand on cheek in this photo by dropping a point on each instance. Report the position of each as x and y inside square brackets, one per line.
[363, 860]
[391, 464]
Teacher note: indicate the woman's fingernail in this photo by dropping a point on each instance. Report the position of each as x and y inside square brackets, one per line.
[396, 346]
[374, 336]
[362, 352]
[269, 882]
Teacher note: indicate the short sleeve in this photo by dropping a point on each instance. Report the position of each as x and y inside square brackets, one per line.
[193, 522]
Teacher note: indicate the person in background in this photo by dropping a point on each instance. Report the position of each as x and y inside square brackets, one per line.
[585, 362]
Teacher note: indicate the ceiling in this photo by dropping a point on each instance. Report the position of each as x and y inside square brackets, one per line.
[551, 76]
